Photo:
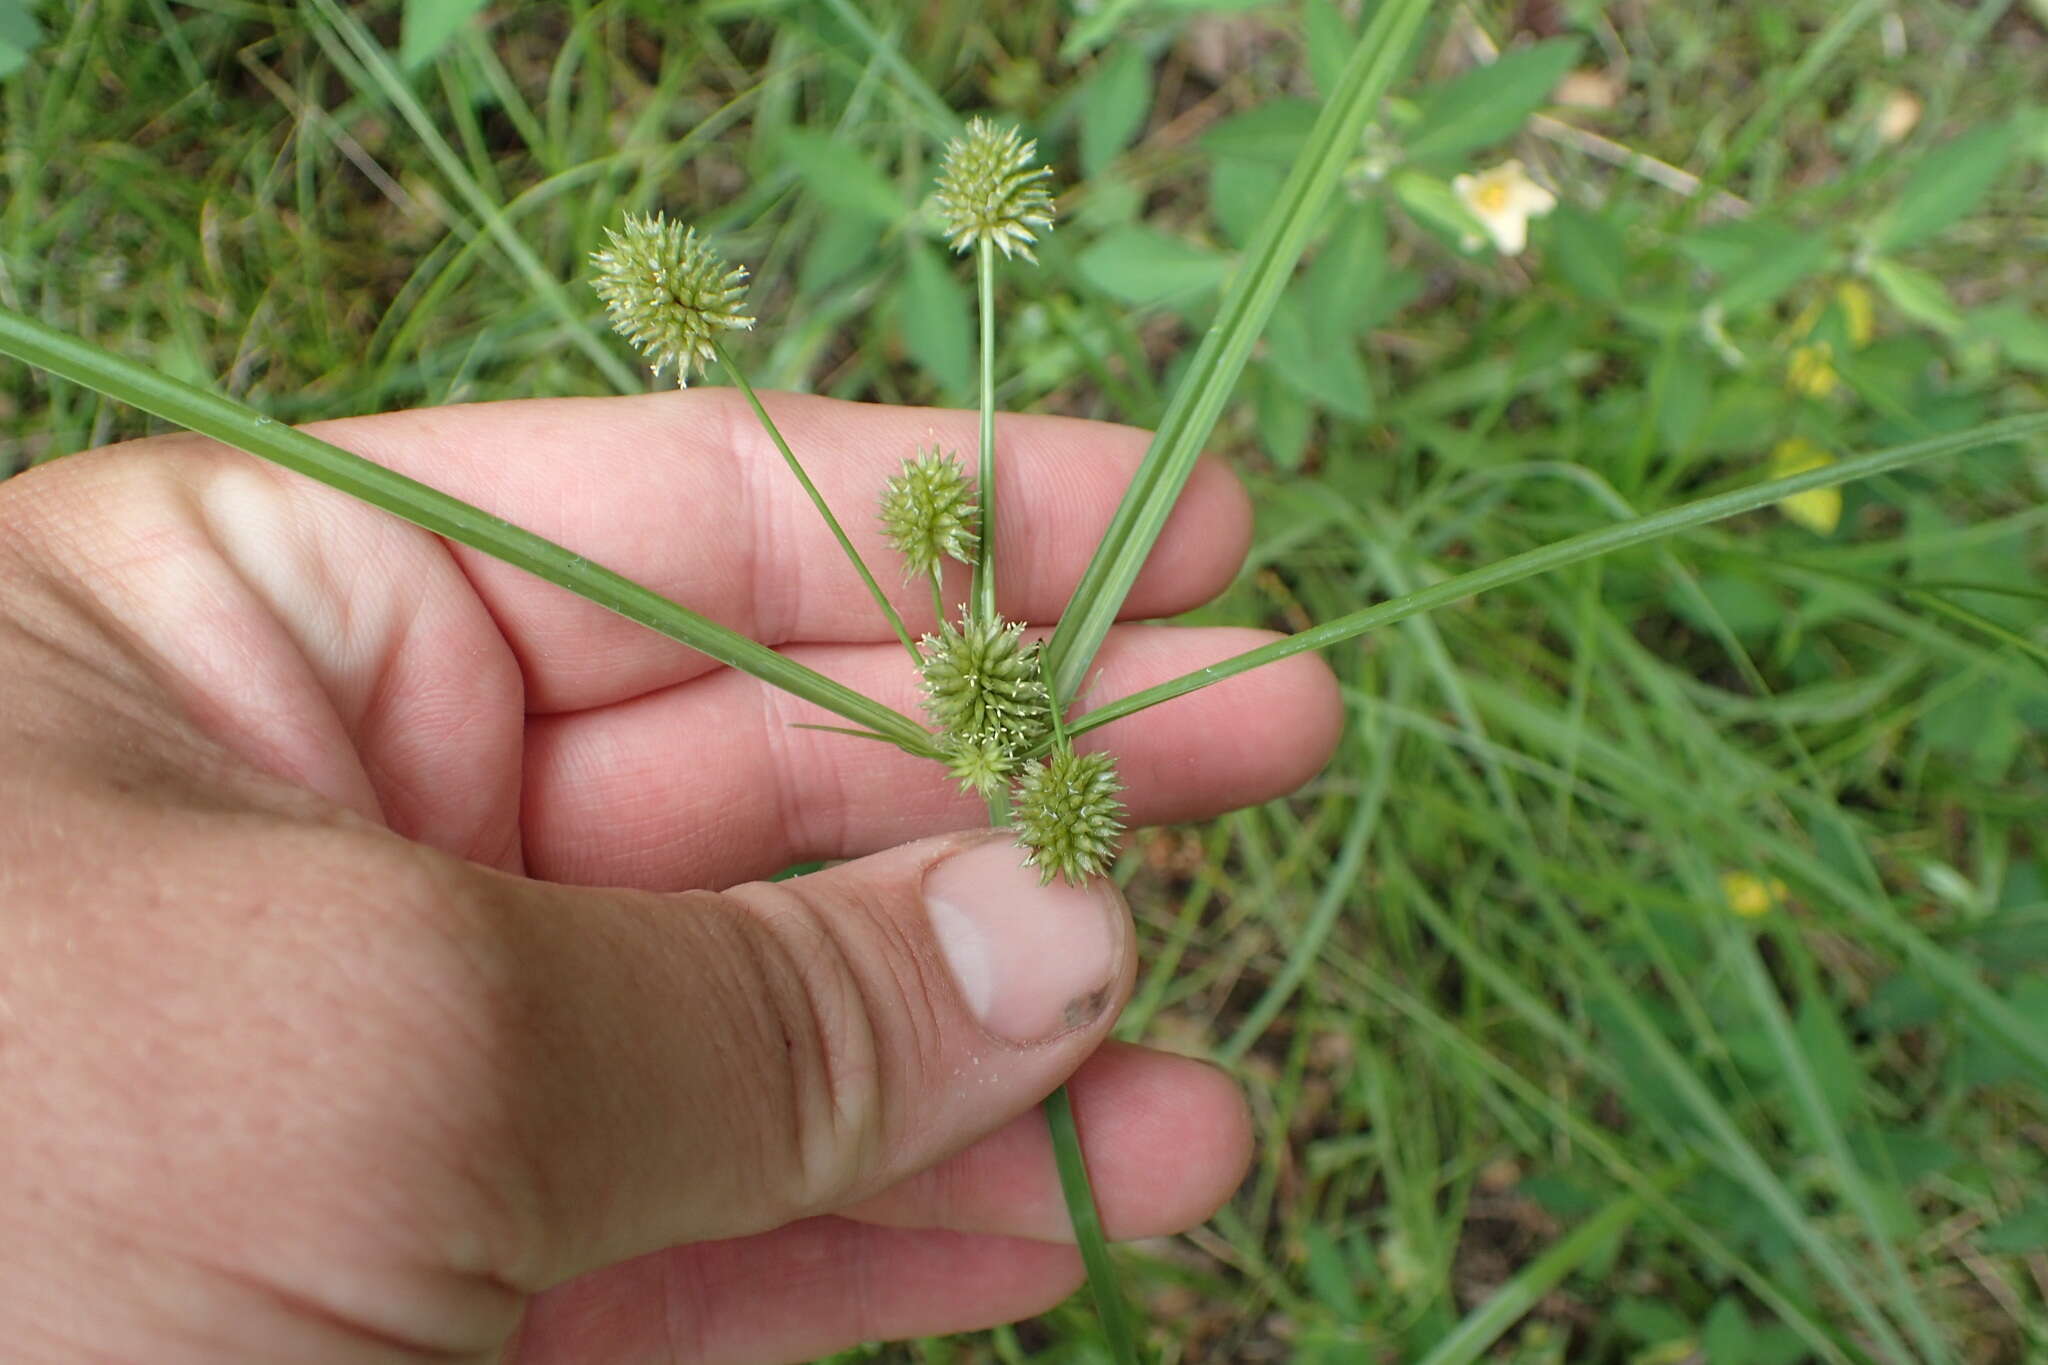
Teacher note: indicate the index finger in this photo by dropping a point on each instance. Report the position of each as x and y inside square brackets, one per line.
[685, 493]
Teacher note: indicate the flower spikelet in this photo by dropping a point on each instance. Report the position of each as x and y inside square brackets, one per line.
[929, 513]
[981, 683]
[990, 192]
[1068, 815]
[981, 764]
[669, 292]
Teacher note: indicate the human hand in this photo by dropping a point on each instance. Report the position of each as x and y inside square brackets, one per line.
[318, 1039]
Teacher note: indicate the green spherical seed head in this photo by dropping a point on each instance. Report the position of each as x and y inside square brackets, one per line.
[1068, 816]
[929, 513]
[981, 681]
[668, 292]
[990, 192]
[980, 765]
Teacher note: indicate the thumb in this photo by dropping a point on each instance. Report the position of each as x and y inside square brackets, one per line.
[698, 1066]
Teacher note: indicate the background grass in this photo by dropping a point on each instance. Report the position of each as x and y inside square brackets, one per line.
[1527, 1087]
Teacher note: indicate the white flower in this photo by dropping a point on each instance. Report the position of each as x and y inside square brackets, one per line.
[1504, 199]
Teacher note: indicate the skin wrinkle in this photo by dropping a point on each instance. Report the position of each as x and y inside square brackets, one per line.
[807, 785]
[834, 1054]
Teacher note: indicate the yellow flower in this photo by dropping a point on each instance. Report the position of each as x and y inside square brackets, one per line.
[1859, 311]
[1811, 370]
[1504, 199]
[1819, 509]
[1749, 895]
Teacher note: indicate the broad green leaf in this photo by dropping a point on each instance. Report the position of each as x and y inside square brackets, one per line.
[1489, 103]
[428, 26]
[1726, 1337]
[2024, 1229]
[1143, 265]
[842, 242]
[1780, 260]
[1949, 182]
[1917, 294]
[1437, 206]
[1328, 37]
[19, 34]
[1828, 1054]
[1240, 192]
[840, 176]
[2019, 333]
[1274, 131]
[1733, 246]
[1114, 105]
[1589, 253]
[1346, 283]
[1284, 422]
[1330, 372]
[938, 328]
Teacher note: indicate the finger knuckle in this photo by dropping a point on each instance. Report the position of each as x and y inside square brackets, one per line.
[838, 1045]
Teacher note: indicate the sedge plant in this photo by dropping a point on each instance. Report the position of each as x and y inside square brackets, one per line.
[1001, 712]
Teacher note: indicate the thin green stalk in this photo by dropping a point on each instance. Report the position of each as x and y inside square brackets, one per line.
[1079, 1191]
[1486, 1324]
[1199, 399]
[1087, 1221]
[1571, 550]
[818, 501]
[984, 596]
[1844, 1171]
[225, 420]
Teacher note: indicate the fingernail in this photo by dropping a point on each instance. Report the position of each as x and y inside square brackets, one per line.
[1031, 961]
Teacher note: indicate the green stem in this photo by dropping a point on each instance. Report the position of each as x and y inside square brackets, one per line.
[1571, 550]
[1079, 1192]
[818, 501]
[225, 420]
[1200, 396]
[984, 596]
[1087, 1221]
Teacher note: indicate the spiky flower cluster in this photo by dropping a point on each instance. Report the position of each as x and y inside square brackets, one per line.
[929, 514]
[982, 688]
[669, 292]
[1068, 814]
[990, 192]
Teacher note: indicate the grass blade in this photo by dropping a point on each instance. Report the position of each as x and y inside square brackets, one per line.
[1484, 1325]
[1198, 401]
[1834, 1145]
[1571, 550]
[1080, 1196]
[377, 65]
[228, 421]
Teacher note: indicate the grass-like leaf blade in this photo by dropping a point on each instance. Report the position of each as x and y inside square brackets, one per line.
[1571, 550]
[228, 421]
[1199, 400]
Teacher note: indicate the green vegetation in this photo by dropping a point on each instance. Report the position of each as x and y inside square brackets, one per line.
[1660, 972]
